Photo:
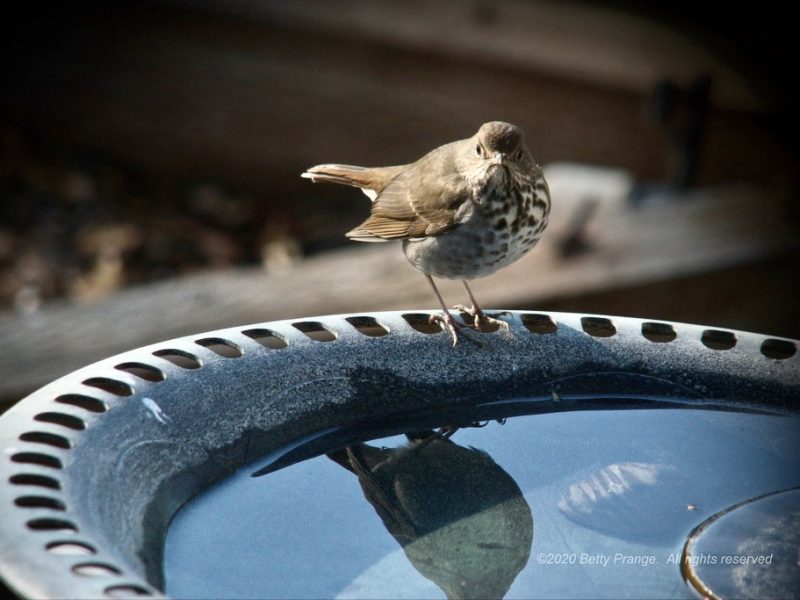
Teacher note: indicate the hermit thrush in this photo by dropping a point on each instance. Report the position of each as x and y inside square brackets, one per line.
[462, 520]
[464, 210]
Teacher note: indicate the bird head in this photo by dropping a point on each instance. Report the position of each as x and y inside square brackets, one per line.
[501, 144]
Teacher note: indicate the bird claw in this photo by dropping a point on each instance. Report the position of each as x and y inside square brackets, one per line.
[446, 321]
[453, 327]
[482, 321]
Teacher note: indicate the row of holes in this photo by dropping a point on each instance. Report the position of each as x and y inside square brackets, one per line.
[48, 482]
[535, 323]
[60, 525]
[95, 569]
[716, 339]
[72, 547]
[542, 324]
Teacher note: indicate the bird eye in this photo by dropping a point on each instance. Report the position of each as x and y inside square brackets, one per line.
[478, 150]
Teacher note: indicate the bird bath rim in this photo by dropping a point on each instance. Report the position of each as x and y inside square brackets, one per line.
[96, 463]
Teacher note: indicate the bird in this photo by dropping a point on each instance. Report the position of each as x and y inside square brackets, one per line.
[464, 210]
[461, 519]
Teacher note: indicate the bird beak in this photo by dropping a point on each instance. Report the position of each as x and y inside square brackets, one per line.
[498, 159]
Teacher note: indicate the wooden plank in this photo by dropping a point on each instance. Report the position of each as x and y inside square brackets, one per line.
[589, 42]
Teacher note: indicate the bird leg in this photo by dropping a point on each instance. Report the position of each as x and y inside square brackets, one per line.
[445, 319]
[481, 320]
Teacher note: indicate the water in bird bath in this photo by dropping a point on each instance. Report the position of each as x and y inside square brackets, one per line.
[568, 504]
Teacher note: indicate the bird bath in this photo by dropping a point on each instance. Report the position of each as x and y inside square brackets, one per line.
[609, 450]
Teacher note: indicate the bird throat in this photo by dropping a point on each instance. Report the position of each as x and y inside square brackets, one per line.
[496, 189]
[492, 184]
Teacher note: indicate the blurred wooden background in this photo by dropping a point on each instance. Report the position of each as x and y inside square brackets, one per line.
[151, 154]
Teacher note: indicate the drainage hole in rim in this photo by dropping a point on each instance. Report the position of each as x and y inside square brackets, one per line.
[85, 402]
[422, 322]
[63, 419]
[368, 326]
[266, 337]
[70, 548]
[179, 358]
[42, 437]
[221, 347]
[778, 349]
[40, 502]
[95, 569]
[48, 524]
[315, 330]
[598, 326]
[36, 458]
[112, 386]
[538, 323]
[126, 591]
[660, 333]
[142, 371]
[716, 339]
[34, 479]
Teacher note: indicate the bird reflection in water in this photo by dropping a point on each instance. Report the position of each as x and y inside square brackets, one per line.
[461, 519]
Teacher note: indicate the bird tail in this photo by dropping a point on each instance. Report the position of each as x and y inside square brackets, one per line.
[359, 177]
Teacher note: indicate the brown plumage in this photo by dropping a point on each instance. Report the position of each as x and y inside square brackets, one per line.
[464, 210]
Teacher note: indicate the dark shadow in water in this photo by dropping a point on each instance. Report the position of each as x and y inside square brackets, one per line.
[461, 520]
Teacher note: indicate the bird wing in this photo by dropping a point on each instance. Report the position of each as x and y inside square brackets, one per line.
[421, 201]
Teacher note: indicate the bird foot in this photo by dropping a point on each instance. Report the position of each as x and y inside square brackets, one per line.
[446, 321]
[482, 321]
